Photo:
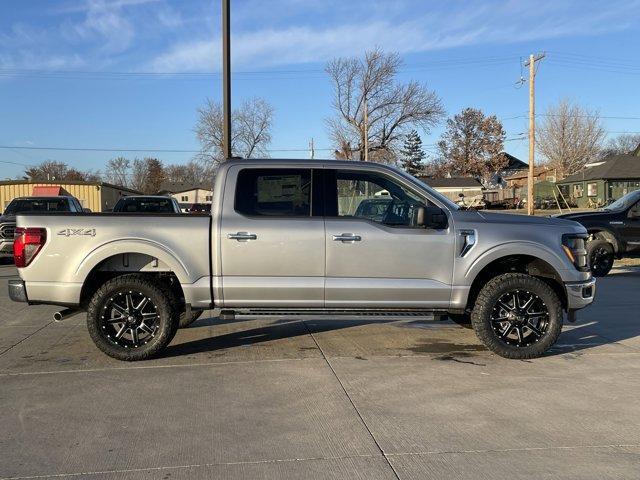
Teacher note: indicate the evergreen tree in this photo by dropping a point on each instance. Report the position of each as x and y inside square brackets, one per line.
[412, 154]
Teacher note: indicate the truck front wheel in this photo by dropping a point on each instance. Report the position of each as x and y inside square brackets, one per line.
[131, 318]
[517, 316]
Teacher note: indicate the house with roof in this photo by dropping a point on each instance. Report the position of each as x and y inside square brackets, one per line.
[186, 193]
[602, 182]
[454, 186]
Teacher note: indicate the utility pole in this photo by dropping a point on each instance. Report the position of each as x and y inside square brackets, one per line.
[312, 152]
[532, 126]
[226, 79]
[366, 130]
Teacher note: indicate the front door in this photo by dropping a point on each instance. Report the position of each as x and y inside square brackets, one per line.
[272, 248]
[631, 229]
[376, 255]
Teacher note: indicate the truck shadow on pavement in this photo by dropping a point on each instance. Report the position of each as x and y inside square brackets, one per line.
[278, 330]
[463, 343]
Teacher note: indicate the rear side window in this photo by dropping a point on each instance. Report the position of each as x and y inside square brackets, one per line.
[274, 192]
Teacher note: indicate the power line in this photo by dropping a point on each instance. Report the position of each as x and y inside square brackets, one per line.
[143, 150]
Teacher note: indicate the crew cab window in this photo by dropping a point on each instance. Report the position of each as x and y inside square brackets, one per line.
[373, 197]
[274, 192]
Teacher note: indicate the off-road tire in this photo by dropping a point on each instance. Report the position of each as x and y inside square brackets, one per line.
[605, 251]
[186, 320]
[167, 323]
[487, 300]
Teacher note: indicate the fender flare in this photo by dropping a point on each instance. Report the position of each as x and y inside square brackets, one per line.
[132, 245]
[596, 228]
[509, 249]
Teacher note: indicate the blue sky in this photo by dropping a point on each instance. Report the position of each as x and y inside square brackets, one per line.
[467, 51]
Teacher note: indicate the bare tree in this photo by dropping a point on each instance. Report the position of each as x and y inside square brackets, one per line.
[117, 171]
[393, 108]
[625, 143]
[569, 137]
[472, 144]
[59, 171]
[250, 130]
[192, 173]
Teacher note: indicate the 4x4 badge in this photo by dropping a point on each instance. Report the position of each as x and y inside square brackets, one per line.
[72, 232]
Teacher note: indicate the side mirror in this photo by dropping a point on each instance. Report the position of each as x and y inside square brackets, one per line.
[431, 217]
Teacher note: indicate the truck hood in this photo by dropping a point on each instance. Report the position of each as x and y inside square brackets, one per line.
[509, 218]
[577, 217]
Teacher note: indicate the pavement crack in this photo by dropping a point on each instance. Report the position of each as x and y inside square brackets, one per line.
[26, 338]
[355, 408]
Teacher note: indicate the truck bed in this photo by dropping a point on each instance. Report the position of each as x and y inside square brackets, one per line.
[79, 243]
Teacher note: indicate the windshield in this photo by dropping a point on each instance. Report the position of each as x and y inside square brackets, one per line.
[144, 205]
[625, 202]
[20, 205]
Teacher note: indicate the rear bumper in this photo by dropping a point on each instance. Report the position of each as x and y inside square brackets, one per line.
[17, 291]
[580, 294]
[6, 248]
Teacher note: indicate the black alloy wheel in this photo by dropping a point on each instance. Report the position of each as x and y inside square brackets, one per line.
[520, 318]
[129, 319]
[601, 257]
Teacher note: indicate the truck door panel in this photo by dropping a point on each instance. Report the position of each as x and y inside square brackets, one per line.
[272, 249]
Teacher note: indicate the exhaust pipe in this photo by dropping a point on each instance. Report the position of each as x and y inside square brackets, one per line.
[66, 313]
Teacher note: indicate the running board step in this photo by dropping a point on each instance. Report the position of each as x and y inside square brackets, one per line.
[227, 314]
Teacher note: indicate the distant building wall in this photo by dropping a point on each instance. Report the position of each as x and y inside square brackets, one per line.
[197, 195]
[95, 196]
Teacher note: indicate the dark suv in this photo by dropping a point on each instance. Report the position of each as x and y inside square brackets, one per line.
[614, 232]
[30, 204]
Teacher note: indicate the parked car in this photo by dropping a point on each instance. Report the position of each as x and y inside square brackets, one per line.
[31, 204]
[146, 204]
[200, 208]
[281, 237]
[614, 232]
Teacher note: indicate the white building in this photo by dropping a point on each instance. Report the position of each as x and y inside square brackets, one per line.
[186, 194]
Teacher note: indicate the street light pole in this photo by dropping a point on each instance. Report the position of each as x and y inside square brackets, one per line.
[226, 79]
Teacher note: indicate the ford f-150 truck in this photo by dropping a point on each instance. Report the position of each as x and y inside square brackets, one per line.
[288, 236]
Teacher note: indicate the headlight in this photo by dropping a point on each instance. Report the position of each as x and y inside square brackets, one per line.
[574, 247]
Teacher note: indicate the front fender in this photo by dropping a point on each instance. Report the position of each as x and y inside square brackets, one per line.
[559, 263]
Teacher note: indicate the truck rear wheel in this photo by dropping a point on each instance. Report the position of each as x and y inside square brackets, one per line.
[517, 316]
[131, 318]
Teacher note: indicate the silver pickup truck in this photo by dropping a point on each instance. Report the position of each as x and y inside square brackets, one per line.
[302, 236]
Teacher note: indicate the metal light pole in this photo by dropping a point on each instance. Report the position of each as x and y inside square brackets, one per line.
[226, 79]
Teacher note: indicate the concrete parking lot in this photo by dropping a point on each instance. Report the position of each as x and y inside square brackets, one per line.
[284, 397]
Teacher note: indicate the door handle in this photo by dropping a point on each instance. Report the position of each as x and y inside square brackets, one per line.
[242, 236]
[347, 237]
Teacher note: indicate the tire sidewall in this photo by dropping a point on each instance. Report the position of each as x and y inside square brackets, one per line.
[488, 297]
[167, 324]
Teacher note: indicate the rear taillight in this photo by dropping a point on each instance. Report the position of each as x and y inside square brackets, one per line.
[28, 242]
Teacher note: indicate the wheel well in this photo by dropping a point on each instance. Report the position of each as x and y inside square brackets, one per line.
[104, 271]
[605, 235]
[520, 264]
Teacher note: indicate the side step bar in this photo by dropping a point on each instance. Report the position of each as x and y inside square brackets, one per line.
[230, 314]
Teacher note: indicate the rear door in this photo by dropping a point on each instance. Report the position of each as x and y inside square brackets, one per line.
[376, 255]
[272, 247]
